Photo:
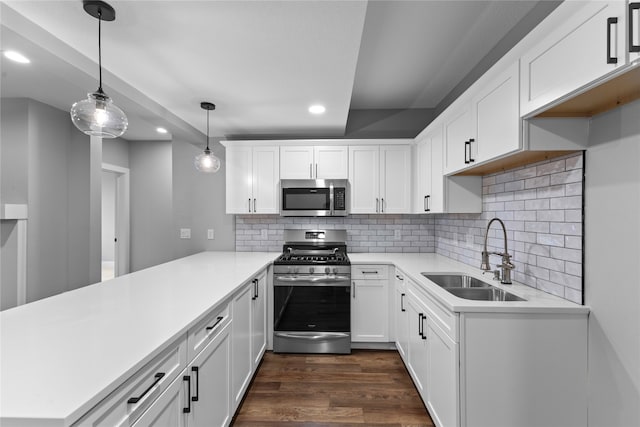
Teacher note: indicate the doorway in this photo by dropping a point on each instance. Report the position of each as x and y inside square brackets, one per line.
[115, 221]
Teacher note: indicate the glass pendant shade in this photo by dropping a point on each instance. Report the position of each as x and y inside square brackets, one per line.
[207, 162]
[99, 116]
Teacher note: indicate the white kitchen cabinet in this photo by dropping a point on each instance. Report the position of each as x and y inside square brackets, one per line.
[242, 358]
[496, 120]
[401, 316]
[442, 374]
[210, 383]
[248, 334]
[457, 137]
[370, 303]
[434, 192]
[418, 356]
[258, 318]
[314, 162]
[588, 46]
[252, 176]
[380, 178]
[168, 410]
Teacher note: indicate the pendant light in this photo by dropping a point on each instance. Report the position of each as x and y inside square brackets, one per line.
[206, 161]
[98, 115]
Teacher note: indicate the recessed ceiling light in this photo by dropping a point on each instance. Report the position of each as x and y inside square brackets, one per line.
[161, 130]
[16, 56]
[317, 109]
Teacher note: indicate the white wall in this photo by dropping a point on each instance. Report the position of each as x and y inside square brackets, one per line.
[612, 267]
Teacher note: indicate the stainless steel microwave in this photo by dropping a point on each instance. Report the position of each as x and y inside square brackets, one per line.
[314, 197]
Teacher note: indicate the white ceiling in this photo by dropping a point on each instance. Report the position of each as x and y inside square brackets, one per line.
[261, 62]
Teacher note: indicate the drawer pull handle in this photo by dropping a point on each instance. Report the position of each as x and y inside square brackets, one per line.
[194, 369]
[187, 410]
[402, 302]
[370, 272]
[158, 377]
[218, 320]
[610, 23]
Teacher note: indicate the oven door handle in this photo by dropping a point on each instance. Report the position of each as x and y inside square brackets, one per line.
[326, 281]
[312, 336]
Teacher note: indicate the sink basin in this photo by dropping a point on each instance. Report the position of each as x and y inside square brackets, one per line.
[456, 280]
[468, 287]
[484, 294]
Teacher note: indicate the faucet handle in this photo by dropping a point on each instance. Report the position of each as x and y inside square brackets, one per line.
[496, 274]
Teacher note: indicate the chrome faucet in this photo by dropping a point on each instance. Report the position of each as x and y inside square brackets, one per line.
[507, 265]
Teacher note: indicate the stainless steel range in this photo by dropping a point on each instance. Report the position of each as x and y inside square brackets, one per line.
[312, 306]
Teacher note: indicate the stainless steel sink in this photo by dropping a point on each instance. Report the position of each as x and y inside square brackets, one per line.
[484, 294]
[468, 287]
[456, 280]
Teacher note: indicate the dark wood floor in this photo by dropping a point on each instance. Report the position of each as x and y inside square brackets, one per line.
[366, 387]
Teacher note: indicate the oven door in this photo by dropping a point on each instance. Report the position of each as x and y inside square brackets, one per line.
[312, 314]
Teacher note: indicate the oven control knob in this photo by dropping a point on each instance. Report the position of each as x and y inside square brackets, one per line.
[335, 270]
[311, 269]
[327, 270]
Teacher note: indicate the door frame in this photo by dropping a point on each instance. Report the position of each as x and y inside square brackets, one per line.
[122, 226]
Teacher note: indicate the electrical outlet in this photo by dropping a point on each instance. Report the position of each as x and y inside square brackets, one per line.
[185, 233]
[264, 234]
[210, 234]
[398, 235]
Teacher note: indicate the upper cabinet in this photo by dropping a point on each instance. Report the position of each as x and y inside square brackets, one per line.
[485, 126]
[589, 45]
[380, 178]
[314, 162]
[252, 174]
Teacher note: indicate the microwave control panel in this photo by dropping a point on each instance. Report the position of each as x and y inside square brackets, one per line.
[339, 199]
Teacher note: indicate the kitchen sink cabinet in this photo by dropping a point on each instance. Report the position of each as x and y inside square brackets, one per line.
[252, 176]
[587, 47]
[380, 178]
[314, 162]
[369, 303]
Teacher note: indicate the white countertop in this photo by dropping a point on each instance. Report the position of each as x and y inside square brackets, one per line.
[414, 264]
[62, 355]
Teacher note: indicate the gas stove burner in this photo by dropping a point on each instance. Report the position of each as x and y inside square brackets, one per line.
[315, 247]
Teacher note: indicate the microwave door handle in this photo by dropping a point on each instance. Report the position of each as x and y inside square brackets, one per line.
[331, 200]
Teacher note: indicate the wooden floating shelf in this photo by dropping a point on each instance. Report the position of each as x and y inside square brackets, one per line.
[513, 161]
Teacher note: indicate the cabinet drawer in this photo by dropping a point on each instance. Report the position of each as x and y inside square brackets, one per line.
[207, 329]
[445, 319]
[373, 272]
[125, 405]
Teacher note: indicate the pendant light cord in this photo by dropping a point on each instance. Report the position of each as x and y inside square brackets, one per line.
[100, 49]
[207, 129]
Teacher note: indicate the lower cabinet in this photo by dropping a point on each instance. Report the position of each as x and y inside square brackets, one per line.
[249, 334]
[369, 303]
[401, 316]
[168, 409]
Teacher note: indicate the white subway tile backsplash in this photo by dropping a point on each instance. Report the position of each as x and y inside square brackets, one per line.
[540, 204]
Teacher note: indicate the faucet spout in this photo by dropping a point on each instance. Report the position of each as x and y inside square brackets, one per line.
[506, 265]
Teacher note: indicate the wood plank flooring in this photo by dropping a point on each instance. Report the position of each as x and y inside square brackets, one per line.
[367, 387]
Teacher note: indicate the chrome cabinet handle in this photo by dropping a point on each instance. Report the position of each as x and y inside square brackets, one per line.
[187, 410]
[470, 141]
[195, 370]
[428, 199]
[254, 206]
[402, 302]
[310, 170]
[377, 205]
[353, 287]
[316, 171]
[382, 205]
[249, 205]
[212, 327]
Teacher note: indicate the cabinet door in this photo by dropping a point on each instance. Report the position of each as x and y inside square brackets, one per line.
[259, 319]
[364, 176]
[579, 52]
[211, 383]
[395, 179]
[457, 137]
[402, 323]
[423, 175]
[242, 361]
[331, 162]
[436, 202]
[296, 162]
[496, 116]
[239, 179]
[417, 348]
[168, 408]
[369, 311]
[442, 376]
[266, 172]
